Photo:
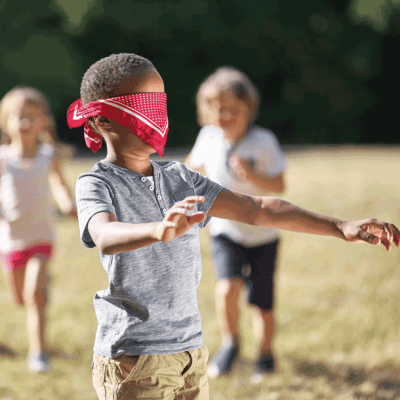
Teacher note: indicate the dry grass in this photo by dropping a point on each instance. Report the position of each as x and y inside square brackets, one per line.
[338, 304]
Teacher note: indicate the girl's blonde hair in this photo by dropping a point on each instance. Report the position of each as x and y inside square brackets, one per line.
[21, 95]
[225, 79]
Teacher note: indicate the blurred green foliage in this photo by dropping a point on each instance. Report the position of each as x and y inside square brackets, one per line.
[325, 69]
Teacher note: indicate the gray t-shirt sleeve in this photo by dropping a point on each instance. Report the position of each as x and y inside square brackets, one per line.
[93, 195]
[205, 187]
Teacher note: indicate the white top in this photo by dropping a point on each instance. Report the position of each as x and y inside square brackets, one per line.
[26, 206]
[260, 148]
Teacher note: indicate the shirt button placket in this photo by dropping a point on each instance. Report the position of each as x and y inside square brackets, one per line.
[159, 197]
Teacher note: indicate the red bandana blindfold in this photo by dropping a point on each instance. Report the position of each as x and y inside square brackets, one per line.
[144, 114]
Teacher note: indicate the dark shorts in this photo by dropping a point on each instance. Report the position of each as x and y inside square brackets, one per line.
[255, 265]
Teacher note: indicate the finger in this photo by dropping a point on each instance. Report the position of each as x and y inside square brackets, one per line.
[378, 228]
[233, 160]
[196, 218]
[396, 236]
[387, 232]
[177, 211]
[369, 237]
[194, 199]
[170, 224]
[392, 229]
[184, 204]
[386, 243]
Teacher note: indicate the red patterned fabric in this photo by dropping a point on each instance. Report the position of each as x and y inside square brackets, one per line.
[144, 114]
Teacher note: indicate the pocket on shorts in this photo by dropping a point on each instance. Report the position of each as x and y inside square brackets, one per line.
[125, 367]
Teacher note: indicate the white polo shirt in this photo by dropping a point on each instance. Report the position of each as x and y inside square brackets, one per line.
[261, 149]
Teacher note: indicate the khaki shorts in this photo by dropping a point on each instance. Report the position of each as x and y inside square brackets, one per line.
[179, 376]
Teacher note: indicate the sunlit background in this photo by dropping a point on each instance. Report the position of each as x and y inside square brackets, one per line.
[327, 71]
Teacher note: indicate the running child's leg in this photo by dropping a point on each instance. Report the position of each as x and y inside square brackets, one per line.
[261, 296]
[227, 293]
[14, 279]
[228, 259]
[35, 301]
[263, 328]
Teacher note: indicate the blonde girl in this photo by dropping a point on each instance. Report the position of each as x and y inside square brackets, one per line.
[29, 168]
[246, 158]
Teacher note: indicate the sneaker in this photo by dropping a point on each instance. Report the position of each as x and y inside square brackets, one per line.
[38, 363]
[264, 365]
[223, 360]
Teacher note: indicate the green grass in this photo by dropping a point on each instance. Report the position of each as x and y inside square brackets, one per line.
[338, 308]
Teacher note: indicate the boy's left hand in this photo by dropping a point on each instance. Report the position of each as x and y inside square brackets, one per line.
[371, 231]
[241, 167]
[73, 214]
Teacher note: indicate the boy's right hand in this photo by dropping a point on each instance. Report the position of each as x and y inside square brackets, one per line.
[371, 231]
[176, 222]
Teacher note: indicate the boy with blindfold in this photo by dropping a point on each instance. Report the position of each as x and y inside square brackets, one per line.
[144, 216]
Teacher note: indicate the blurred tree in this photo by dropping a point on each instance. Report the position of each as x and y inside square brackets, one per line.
[324, 68]
[376, 13]
[35, 51]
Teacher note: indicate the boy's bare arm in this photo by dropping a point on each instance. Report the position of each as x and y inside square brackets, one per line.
[277, 213]
[113, 237]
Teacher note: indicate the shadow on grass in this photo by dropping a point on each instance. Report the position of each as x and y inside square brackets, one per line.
[7, 352]
[379, 383]
[53, 352]
[56, 352]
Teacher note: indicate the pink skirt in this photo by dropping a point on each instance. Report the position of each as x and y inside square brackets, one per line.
[19, 258]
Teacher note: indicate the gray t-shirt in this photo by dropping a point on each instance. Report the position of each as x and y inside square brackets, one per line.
[150, 306]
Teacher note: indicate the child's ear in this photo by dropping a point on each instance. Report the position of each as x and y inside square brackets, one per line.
[102, 122]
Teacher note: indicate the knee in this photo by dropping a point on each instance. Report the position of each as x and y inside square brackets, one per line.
[263, 313]
[229, 289]
[34, 297]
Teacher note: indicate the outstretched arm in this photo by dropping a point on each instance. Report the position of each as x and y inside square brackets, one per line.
[113, 237]
[277, 213]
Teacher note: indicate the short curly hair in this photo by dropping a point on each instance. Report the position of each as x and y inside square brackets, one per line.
[104, 78]
[226, 79]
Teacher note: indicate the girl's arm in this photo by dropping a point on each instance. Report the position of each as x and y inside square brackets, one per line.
[60, 189]
[277, 213]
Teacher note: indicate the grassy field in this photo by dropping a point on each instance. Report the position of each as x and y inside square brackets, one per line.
[338, 304]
